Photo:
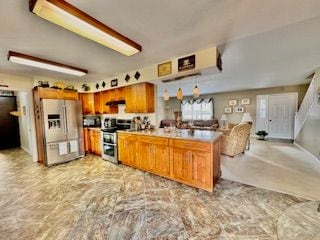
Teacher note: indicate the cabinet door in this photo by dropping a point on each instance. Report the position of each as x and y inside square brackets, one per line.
[98, 103]
[87, 146]
[48, 93]
[161, 159]
[131, 98]
[145, 157]
[127, 149]
[87, 103]
[70, 95]
[121, 94]
[97, 143]
[201, 174]
[140, 98]
[181, 164]
[106, 97]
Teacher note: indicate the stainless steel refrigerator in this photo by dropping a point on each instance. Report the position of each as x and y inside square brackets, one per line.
[63, 130]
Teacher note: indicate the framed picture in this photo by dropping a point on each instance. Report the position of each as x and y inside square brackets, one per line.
[239, 109]
[233, 102]
[187, 63]
[227, 110]
[114, 82]
[245, 101]
[164, 69]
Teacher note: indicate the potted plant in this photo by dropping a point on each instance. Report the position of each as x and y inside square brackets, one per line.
[261, 134]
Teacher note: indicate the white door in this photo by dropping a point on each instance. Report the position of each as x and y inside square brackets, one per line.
[281, 112]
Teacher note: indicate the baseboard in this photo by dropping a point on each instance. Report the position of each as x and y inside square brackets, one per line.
[25, 149]
[306, 151]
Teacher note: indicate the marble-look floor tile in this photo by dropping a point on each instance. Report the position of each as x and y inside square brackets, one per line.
[128, 225]
[93, 199]
[163, 222]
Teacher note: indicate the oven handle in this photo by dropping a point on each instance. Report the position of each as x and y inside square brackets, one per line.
[110, 144]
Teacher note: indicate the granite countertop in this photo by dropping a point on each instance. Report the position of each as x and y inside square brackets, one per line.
[184, 134]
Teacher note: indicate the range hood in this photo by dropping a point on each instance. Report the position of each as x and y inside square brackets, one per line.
[115, 103]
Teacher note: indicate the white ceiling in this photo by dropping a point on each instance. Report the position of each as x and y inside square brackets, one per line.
[263, 43]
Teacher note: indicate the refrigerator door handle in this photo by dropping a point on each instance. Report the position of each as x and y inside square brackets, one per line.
[65, 119]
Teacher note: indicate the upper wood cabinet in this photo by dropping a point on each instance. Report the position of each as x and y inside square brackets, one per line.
[98, 103]
[116, 94]
[52, 93]
[88, 106]
[140, 98]
[70, 95]
[107, 95]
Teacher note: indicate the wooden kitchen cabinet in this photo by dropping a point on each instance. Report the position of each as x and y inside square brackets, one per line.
[153, 154]
[127, 147]
[87, 140]
[116, 94]
[92, 141]
[52, 93]
[106, 95]
[96, 144]
[88, 106]
[70, 95]
[98, 103]
[191, 164]
[139, 98]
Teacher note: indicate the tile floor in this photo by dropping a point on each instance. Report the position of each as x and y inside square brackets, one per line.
[93, 199]
[275, 166]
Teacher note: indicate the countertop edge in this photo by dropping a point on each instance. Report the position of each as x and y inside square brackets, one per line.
[191, 138]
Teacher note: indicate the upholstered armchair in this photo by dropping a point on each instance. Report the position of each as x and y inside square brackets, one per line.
[236, 141]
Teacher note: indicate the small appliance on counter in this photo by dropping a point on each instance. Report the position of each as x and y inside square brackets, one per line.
[92, 121]
[109, 137]
[109, 123]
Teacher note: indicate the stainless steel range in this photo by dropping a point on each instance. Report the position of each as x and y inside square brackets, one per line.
[109, 137]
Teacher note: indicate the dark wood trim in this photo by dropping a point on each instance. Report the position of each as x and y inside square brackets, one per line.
[20, 55]
[31, 5]
[90, 20]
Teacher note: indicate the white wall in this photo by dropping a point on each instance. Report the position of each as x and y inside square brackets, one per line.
[309, 135]
[23, 105]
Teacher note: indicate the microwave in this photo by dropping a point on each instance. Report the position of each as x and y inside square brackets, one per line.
[92, 121]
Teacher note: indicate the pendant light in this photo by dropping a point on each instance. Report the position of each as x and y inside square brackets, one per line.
[180, 93]
[166, 95]
[196, 91]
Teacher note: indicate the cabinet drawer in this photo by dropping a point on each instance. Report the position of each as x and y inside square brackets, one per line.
[124, 136]
[154, 140]
[191, 145]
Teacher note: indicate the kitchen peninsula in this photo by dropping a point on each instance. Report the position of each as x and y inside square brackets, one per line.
[189, 157]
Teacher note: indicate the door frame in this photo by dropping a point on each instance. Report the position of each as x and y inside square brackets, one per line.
[263, 123]
[33, 143]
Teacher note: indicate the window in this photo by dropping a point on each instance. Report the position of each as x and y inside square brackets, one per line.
[200, 109]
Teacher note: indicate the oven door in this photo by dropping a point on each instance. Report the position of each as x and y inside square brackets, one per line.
[110, 152]
[110, 138]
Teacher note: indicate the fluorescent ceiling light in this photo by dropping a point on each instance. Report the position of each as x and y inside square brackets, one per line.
[45, 64]
[67, 16]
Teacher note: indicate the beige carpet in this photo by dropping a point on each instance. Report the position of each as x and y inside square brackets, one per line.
[281, 167]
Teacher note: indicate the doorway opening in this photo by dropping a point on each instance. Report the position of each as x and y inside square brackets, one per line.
[16, 120]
